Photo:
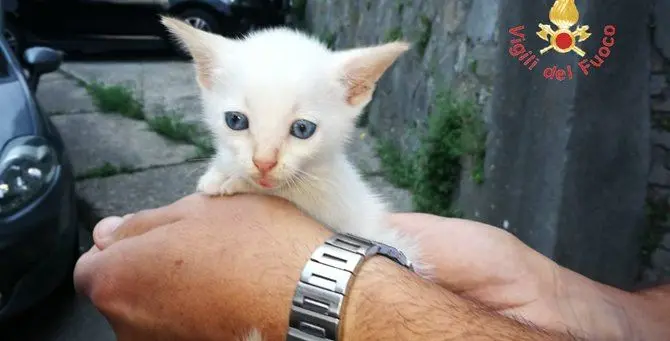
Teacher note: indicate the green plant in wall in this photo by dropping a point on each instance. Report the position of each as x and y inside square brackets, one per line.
[329, 39]
[400, 8]
[364, 118]
[393, 34]
[455, 133]
[426, 32]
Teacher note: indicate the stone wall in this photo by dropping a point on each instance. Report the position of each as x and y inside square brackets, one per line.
[454, 44]
[457, 47]
[658, 266]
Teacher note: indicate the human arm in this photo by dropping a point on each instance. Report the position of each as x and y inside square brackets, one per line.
[214, 268]
[492, 266]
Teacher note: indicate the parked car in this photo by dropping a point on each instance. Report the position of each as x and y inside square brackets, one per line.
[102, 25]
[39, 241]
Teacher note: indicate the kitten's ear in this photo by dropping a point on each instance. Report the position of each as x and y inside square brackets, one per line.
[361, 68]
[199, 44]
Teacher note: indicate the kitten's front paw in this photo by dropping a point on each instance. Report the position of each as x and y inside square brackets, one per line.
[216, 183]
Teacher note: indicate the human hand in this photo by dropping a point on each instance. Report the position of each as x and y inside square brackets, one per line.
[186, 271]
[492, 266]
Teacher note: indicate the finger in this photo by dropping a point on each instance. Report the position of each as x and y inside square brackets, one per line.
[104, 228]
[84, 270]
[136, 224]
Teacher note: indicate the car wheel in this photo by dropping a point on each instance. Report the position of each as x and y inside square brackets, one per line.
[14, 38]
[200, 19]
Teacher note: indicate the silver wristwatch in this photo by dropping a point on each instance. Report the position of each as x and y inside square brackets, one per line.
[324, 282]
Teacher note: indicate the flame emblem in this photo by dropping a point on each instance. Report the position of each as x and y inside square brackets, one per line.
[563, 14]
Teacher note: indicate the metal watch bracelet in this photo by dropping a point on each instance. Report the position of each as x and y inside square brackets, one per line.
[325, 281]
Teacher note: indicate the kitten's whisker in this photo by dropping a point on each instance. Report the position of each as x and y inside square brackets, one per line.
[311, 179]
[315, 178]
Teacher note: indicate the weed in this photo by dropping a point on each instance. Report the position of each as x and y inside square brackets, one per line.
[473, 66]
[205, 146]
[401, 8]
[393, 34]
[426, 32]
[118, 99]
[106, 170]
[454, 132]
[396, 169]
[364, 118]
[173, 128]
[329, 39]
[115, 98]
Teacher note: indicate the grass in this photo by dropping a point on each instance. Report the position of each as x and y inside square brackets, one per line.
[120, 100]
[106, 170]
[454, 134]
[115, 99]
[174, 128]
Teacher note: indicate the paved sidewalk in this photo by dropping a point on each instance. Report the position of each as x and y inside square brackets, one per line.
[147, 161]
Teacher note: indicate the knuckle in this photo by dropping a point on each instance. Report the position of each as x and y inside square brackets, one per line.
[104, 289]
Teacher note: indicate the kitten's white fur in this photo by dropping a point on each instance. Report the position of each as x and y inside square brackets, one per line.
[274, 77]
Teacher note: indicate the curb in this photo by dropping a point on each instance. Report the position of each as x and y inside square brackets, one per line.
[73, 76]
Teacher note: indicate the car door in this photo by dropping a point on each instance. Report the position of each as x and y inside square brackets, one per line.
[115, 17]
[45, 18]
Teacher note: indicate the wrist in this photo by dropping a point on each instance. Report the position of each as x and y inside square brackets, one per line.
[597, 311]
[372, 290]
[649, 313]
[264, 296]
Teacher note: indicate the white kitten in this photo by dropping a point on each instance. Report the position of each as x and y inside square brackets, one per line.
[281, 107]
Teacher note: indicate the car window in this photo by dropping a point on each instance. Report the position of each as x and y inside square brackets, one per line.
[4, 66]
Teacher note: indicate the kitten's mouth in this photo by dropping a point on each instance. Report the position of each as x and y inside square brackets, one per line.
[264, 181]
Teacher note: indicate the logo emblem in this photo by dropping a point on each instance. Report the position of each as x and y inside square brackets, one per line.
[563, 14]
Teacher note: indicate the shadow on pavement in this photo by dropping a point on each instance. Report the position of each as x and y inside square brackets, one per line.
[64, 315]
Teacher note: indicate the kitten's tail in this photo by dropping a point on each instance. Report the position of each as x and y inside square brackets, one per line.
[254, 335]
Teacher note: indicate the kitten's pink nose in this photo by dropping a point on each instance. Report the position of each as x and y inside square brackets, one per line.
[265, 166]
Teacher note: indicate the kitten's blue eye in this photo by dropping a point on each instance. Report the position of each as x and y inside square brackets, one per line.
[236, 120]
[303, 129]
